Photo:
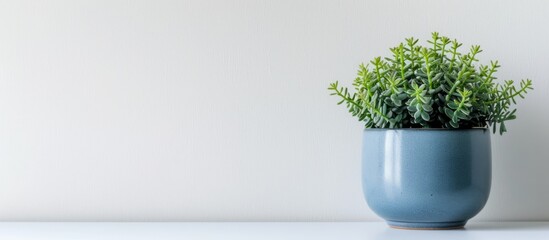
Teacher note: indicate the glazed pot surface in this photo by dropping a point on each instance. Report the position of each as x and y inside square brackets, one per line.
[426, 178]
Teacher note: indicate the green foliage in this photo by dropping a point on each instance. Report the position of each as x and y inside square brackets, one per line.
[431, 87]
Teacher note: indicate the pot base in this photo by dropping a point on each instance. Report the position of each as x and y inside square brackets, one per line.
[427, 225]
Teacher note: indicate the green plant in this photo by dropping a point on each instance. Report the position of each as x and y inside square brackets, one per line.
[431, 87]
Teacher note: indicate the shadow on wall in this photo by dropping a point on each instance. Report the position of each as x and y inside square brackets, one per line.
[520, 166]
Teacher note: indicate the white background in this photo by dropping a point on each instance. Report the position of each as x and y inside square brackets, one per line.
[218, 110]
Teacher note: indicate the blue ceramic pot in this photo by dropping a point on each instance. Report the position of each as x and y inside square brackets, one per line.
[426, 178]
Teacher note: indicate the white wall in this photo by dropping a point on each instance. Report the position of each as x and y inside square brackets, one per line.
[218, 110]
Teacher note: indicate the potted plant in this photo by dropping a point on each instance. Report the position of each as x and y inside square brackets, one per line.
[426, 144]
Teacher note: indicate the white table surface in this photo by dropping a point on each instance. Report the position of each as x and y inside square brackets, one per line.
[265, 230]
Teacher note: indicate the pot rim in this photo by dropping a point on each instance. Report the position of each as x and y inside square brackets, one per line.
[428, 129]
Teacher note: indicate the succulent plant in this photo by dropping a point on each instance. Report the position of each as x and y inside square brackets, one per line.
[431, 87]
